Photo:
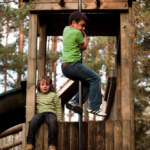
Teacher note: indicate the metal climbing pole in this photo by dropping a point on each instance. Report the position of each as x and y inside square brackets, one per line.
[80, 92]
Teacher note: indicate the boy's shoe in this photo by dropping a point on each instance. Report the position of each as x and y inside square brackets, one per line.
[100, 118]
[98, 112]
[74, 106]
[52, 147]
[29, 147]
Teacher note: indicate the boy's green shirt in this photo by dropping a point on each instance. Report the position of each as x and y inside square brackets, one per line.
[72, 38]
[49, 103]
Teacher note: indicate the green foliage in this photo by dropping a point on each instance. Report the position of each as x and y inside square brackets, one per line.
[11, 18]
[52, 56]
[142, 135]
[97, 51]
[12, 61]
[141, 73]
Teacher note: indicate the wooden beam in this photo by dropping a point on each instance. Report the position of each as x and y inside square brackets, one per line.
[126, 82]
[42, 52]
[12, 130]
[8, 146]
[31, 70]
[74, 6]
[75, 1]
[41, 72]
[131, 50]
[116, 110]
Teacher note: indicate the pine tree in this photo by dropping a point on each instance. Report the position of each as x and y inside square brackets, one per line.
[12, 20]
[141, 72]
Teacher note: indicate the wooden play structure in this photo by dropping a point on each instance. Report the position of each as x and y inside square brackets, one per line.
[106, 18]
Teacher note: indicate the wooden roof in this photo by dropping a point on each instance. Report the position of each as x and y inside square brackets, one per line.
[99, 23]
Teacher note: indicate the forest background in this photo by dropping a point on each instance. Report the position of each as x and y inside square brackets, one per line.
[14, 27]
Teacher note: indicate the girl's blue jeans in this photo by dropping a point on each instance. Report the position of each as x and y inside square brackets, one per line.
[91, 83]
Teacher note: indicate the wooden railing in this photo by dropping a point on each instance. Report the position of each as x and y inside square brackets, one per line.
[96, 135]
[12, 137]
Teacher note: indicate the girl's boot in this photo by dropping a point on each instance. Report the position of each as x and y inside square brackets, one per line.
[52, 147]
[29, 147]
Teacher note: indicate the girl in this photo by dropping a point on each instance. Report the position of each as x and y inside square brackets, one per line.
[48, 109]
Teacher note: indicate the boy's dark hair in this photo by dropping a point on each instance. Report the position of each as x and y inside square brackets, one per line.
[48, 81]
[77, 16]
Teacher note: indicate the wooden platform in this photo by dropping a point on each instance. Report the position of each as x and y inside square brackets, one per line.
[68, 136]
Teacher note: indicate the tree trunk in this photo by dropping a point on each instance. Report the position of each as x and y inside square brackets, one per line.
[21, 43]
[6, 44]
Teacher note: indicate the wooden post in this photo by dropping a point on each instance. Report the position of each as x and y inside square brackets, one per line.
[131, 51]
[117, 103]
[31, 76]
[54, 49]
[31, 70]
[41, 139]
[126, 82]
[42, 52]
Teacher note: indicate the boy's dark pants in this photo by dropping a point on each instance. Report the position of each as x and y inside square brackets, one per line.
[51, 120]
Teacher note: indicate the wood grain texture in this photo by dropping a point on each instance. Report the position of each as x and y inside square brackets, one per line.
[31, 69]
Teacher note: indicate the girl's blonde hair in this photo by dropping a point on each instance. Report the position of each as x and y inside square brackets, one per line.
[48, 81]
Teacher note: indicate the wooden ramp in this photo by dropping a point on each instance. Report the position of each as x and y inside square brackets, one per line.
[110, 94]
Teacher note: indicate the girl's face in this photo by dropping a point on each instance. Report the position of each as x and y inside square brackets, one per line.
[44, 87]
[80, 25]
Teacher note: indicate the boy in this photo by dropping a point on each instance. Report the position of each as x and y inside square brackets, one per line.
[75, 41]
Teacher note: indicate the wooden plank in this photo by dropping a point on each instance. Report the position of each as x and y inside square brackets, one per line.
[57, 1]
[66, 136]
[39, 140]
[132, 46]
[110, 94]
[117, 135]
[126, 80]
[8, 146]
[45, 134]
[116, 109]
[31, 70]
[74, 143]
[100, 136]
[12, 130]
[91, 135]
[109, 135]
[74, 6]
[126, 64]
[61, 137]
[23, 136]
[83, 1]
[84, 135]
